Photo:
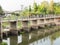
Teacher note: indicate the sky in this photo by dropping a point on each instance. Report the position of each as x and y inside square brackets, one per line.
[12, 5]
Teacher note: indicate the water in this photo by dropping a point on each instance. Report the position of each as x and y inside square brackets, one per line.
[33, 38]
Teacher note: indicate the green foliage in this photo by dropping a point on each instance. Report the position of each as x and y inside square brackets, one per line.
[25, 12]
[44, 8]
[57, 8]
[1, 11]
[3, 43]
[30, 8]
[35, 7]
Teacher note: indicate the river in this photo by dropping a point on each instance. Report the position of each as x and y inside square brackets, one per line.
[33, 38]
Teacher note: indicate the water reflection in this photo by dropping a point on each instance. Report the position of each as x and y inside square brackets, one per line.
[33, 38]
[41, 42]
[57, 41]
[11, 40]
[19, 39]
[29, 36]
[7, 41]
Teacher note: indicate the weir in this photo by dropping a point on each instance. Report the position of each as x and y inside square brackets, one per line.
[28, 23]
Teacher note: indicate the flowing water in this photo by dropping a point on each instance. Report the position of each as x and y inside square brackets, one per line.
[33, 38]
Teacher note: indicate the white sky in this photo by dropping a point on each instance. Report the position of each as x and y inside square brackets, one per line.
[12, 5]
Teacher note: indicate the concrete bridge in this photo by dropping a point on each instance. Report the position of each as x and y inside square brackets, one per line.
[33, 22]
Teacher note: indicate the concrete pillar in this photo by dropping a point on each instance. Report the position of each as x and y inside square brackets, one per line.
[40, 22]
[5, 28]
[33, 24]
[47, 22]
[13, 27]
[25, 26]
[57, 21]
[52, 23]
[1, 34]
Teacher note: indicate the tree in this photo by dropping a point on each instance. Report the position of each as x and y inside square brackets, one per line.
[44, 7]
[57, 8]
[30, 9]
[25, 12]
[1, 11]
[35, 7]
[51, 7]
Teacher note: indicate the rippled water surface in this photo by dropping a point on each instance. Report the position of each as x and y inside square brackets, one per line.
[33, 38]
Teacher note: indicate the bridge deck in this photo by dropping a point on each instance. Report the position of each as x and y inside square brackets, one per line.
[27, 19]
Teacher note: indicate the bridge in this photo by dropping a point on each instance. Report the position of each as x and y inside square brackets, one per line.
[29, 22]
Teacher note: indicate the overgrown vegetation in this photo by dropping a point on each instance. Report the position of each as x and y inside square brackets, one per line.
[3, 43]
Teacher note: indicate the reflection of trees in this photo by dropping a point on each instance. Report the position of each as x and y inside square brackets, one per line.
[54, 36]
[25, 39]
[33, 37]
[13, 40]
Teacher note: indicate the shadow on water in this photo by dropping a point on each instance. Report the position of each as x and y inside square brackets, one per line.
[33, 38]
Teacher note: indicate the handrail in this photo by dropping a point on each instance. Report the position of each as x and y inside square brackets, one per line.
[31, 17]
